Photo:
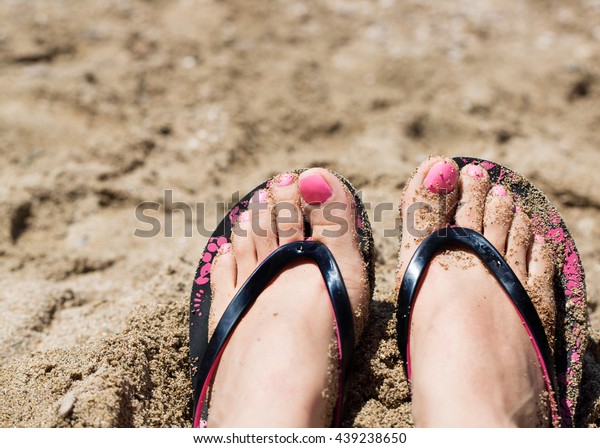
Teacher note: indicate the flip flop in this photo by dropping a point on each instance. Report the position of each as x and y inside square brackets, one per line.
[205, 353]
[561, 364]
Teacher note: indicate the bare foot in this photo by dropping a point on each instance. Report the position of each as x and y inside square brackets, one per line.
[277, 369]
[472, 361]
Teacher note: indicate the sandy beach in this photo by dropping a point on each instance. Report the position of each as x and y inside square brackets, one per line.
[108, 104]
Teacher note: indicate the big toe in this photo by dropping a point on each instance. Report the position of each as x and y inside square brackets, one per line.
[428, 204]
[330, 210]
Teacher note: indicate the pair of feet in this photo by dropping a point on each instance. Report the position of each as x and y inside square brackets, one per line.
[472, 361]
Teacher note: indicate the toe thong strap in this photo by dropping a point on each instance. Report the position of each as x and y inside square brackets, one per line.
[249, 292]
[503, 274]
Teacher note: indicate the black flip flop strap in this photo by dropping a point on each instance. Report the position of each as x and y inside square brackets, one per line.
[497, 266]
[254, 286]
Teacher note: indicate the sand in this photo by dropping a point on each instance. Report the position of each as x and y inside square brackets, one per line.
[104, 105]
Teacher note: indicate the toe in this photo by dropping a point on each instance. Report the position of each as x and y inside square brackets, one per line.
[519, 241]
[540, 264]
[286, 208]
[328, 206]
[428, 203]
[263, 231]
[223, 278]
[243, 247]
[330, 210]
[474, 185]
[498, 217]
[540, 283]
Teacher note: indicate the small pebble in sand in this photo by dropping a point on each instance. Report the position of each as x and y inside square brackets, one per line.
[188, 62]
[66, 404]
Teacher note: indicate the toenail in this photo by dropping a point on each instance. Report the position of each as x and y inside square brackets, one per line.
[285, 179]
[225, 248]
[441, 178]
[314, 189]
[263, 195]
[499, 190]
[540, 239]
[245, 216]
[475, 171]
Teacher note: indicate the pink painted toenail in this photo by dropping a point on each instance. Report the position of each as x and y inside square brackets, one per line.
[285, 179]
[314, 189]
[475, 171]
[540, 239]
[263, 195]
[499, 190]
[225, 248]
[245, 216]
[441, 178]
